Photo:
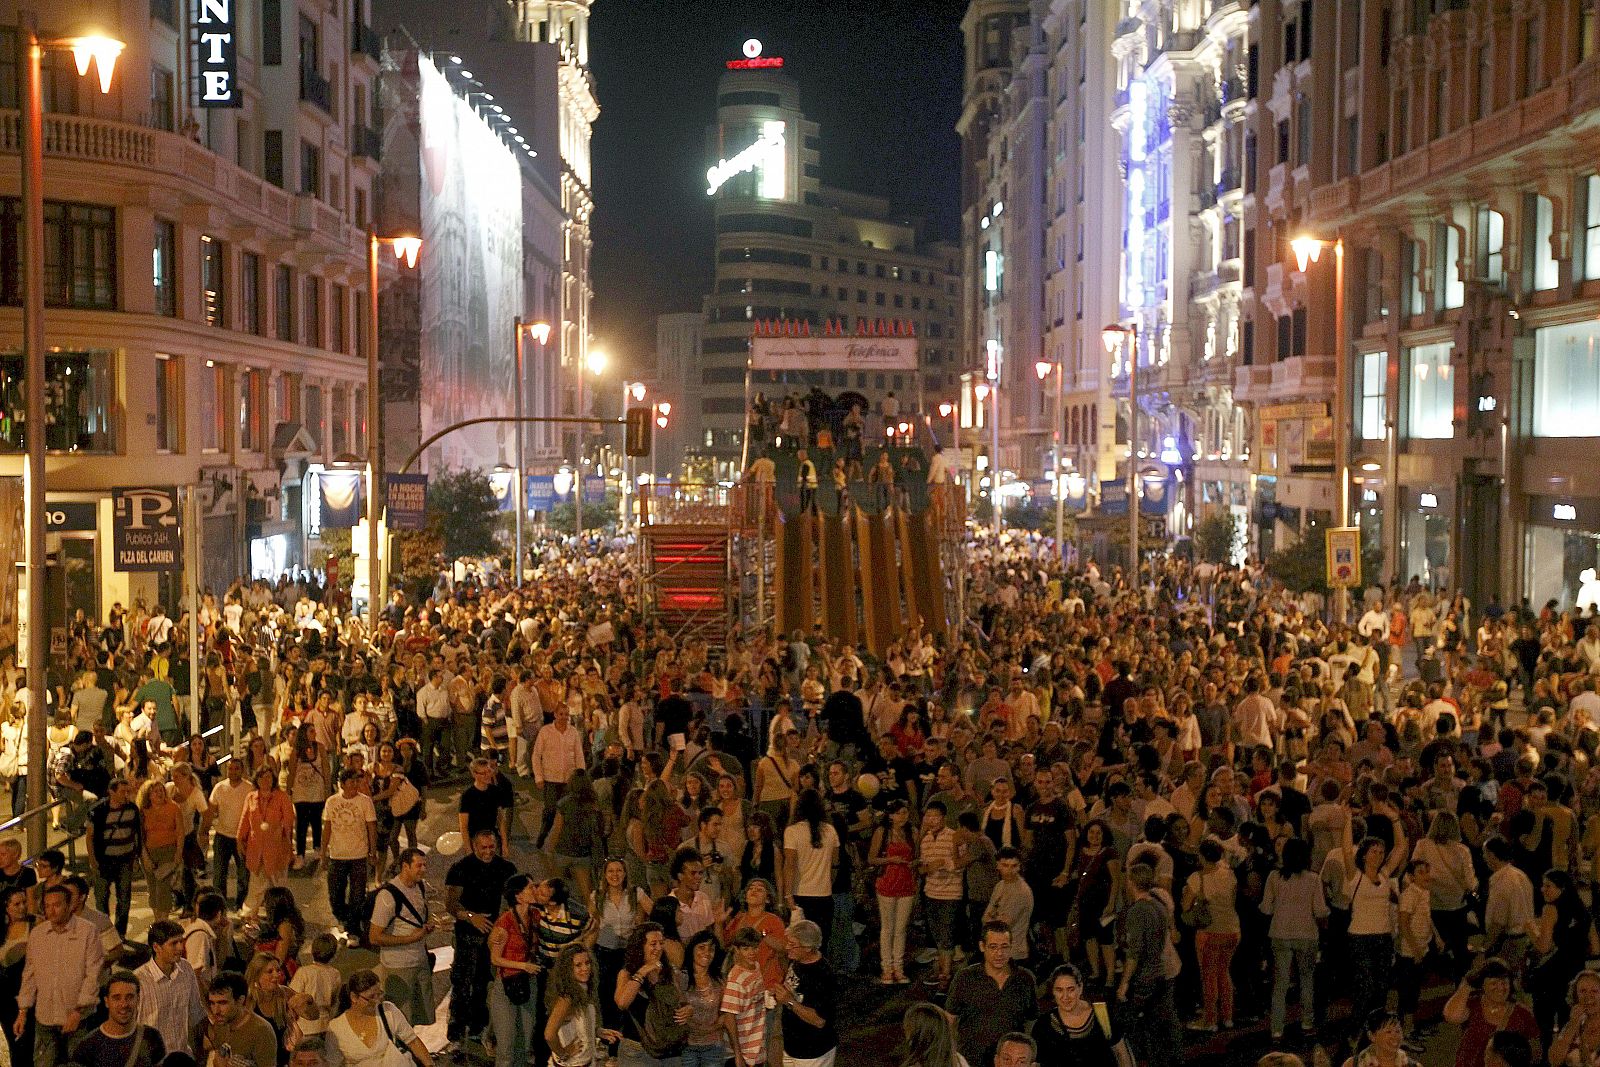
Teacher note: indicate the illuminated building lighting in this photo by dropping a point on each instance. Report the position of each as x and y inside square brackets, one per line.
[767, 155]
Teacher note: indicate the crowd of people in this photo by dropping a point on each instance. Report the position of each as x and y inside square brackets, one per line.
[1098, 814]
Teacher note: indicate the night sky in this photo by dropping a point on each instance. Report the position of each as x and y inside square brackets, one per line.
[882, 77]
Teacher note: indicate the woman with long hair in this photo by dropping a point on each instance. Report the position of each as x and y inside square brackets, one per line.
[662, 824]
[309, 774]
[371, 1032]
[572, 1029]
[577, 832]
[1097, 874]
[386, 779]
[930, 1038]
[811, 851]
[645, 967]
[1212, 893]
[163, 834]
[1295, 901]
[271, 998]
[1454, 877]
[703, 966]
[514, 957]
[893, 851]
[265, 831]
[282, 930]
[1561, 943]
[409, 759]
[189, 795]
[617, 907]
[18, 924]
[1374, 898]
[1072, 1031]
[760, 856]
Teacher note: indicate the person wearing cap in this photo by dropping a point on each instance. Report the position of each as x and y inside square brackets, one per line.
[807, 1000]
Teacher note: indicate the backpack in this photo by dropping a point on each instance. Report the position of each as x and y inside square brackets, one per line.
[402, 904]
[661, 1035]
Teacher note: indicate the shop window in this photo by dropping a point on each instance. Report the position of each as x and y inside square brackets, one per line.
[213, 285]
[1566, 380]
[1374, 385]
[78, 402]
[1430, 407]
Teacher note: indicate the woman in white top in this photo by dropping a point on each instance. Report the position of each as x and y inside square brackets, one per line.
[1374, 909]
[1453, 878]
[573, 1031]
[811, 850]
[372, 1032]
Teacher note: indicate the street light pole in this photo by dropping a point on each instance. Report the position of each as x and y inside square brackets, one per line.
[994, 474]
[1113, 335]
[30, 51]
[1042, 368]
[541, 334]
[1308, 250]
[404, 248]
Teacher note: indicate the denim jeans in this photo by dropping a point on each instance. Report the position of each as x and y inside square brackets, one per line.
[469, 980]
[844, 951]
[120, 875]
[513, 1027]
[632, 1054]
[411, 990]
[347, 890]
[705, 1055]
[1300, 955]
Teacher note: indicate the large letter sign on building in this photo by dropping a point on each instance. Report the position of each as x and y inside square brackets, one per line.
[217, 54]
[766, 155]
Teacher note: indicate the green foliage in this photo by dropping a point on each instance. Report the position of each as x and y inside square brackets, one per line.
[463, 512]
[597, 515]
[1303, 566]
[1217, 538]
[421, 553]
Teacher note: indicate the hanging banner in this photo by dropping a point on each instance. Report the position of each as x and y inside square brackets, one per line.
[146, 530]
[541, 492]
[833, 353]
[341, 499]
[1344, 557]
[407, 499]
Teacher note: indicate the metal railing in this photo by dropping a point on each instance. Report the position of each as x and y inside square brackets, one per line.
[315, 89]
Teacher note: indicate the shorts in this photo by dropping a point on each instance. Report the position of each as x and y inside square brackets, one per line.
[941, 916]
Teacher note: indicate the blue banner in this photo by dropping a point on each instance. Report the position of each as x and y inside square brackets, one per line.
[407, 499]
[594, 489]
[541, 492]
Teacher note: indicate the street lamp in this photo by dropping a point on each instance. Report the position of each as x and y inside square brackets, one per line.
[1308, 250]
[406, 247]
[541, 334]
[101, 51]
[981, 392]
[634, 392]
[1043, 368]
[595, 362]
[1113, 337]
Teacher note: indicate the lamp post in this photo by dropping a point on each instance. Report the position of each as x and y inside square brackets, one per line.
[1043, 368]
[406, 248]
[1308, 250]
[952, 411]
[102, 51]
[594, 362]
[541, 334]
[1113, 336]
[633, 392]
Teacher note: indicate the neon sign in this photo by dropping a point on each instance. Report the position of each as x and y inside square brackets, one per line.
[218, 56]
[766, 155]
[753, 59]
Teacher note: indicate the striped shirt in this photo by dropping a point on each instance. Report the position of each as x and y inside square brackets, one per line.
[939, 852]
[745, 998]
[557, 932]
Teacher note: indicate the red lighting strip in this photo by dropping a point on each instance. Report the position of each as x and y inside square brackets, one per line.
[759, 63]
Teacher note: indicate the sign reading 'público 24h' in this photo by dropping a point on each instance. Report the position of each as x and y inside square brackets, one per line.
[146, 532]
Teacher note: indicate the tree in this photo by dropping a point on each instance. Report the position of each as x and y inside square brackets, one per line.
[1217, 538]
[464, 512]
[421, 555]
[1303, 566]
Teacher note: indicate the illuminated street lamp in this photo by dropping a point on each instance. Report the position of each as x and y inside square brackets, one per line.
[1113, 336]
[1308, 250]
[406, 248]
[1043, 368]
[540, 332]
[88, 48]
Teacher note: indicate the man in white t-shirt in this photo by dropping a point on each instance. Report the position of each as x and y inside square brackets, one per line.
[222, 819]
[349, 845]
[399, 931]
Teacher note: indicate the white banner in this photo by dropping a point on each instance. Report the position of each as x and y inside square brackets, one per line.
[834, 353]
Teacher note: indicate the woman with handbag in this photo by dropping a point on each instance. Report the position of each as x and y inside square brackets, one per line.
[514, 954]
[655, 1016]
[1210, 907]
[163, 835]
[373, 1032]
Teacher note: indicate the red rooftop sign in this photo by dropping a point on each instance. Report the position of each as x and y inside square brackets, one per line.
[753, 59]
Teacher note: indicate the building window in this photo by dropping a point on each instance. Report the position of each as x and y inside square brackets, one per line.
[272, 157]
[358, 441]
[161, 103]
[310, 169]
[78, 402]
[311, 311]
[271, 32]
[1416, 295]
[1591, 226]
[1587, 44]
[1374, 384]
[1447, 266]
[163, 267]
[314, 415]
[1543, 270]
[253, 411]
[340, 397]
[80, 244]
[1303, 132]
[340, 299]
[213, 284]
[1566, 380]
[1430, 409]
[1441, 103]
[169, 403]
[214, 407]
[1376, 308]
[1491, 237]
[250, 292]
[1485, 80]
[1532, 67]
[286, 406]
[283, 302]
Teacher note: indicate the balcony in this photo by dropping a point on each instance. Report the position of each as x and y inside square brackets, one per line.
[166, 11]
[366, 142]
[315, 89]
[364, 41]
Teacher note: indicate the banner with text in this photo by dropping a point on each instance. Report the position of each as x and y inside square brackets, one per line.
[408, 501]
[146, 530]
[833, 353]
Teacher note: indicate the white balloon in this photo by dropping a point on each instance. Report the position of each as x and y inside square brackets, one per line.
[448, 844]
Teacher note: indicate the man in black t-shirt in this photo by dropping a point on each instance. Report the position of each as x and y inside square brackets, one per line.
[807, 996]
[473, 898]
[1049, 825]
[120, 1041]
[486, 804]
[13, 875]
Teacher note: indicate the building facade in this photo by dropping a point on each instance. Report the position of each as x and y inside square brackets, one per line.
[789, 247]
[206, 284]
[677, 377]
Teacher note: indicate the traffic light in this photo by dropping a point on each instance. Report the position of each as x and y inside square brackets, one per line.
[636, 436]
